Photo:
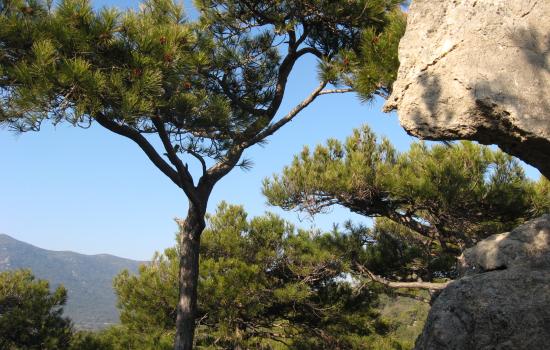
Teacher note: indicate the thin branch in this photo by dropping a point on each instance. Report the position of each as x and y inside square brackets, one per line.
[292, 38]
[185, 176]
[282, 78]
[407, 285]
[65, 99]
[336, 91]
[142, 142]
[271, 129]
[224, 166]
[284, 71]
[164, 137]
[199, 158]
[303, 37]
[310, 50]
[234, 98]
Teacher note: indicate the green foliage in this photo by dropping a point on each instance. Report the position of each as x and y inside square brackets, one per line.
[212, 84]
[262, 285]
[541, 196]
[431, 202]
[407, 315]
[372, 69]
[92, 341]
[30, 314]
[76, 63]
[208, 89]
[147, 304]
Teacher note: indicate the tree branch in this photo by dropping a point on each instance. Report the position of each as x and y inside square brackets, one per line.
[271, 129]
[303, 37]
[284, 71]
[199, 158]
[234, 98]
[223, 167]
[407, 285]
[185, 176]
[142, 142]
[336, 91]
[310, 50]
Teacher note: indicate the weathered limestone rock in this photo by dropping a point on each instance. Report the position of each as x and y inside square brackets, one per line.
[527, 245]
[478, 70]
[503, 300]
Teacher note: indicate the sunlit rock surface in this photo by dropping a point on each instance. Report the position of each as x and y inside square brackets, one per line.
[478, 70]
[502, 301]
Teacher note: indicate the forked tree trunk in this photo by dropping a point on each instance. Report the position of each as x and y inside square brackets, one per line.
[189, 239]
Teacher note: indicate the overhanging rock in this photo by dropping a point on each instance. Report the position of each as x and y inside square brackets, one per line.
[478, 70]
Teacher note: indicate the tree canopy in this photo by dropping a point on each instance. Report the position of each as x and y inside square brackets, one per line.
[262, 285]
[209, 89]
[440, 198]
[31, 314]
[203, 90]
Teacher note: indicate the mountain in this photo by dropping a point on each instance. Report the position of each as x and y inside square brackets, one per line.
[88, 278]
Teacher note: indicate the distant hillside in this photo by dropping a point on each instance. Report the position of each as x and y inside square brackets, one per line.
[88, 278]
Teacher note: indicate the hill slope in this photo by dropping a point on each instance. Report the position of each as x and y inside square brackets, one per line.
[88, 278]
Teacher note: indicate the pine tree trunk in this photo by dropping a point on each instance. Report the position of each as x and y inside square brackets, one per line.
[189, 239]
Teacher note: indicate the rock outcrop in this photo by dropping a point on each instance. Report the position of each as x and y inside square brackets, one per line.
[478, 70]
[502, 301]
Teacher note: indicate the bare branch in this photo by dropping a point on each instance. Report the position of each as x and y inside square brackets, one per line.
[310, 50]
[271, 129]
[224, 166]
[292, 38]
[282, 78]
[142, 142]
[183, 173]
[303, 37]
[336, 91]
[284, 71]
[199, 158]
[407, 285]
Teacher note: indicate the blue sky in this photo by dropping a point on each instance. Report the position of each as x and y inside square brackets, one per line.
[93, 192]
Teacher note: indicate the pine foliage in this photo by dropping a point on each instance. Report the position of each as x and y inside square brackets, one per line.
[439, 198]
[263, 285]
[209, 88]
[31, 314]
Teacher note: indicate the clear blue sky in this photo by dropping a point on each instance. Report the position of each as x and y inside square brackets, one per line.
[93, 192]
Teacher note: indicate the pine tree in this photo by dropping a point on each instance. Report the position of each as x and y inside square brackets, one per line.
[262, 285]
[31, 314]
[208, 90]
[430, 202]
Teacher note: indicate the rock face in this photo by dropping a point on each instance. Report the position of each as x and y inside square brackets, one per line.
[478, 70]
[503, 299]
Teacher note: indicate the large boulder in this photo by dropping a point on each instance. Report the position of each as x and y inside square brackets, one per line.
[478, 70]
[503, 299]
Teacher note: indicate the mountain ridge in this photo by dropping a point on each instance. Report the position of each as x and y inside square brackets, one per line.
[6, 236]
[91, 300]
